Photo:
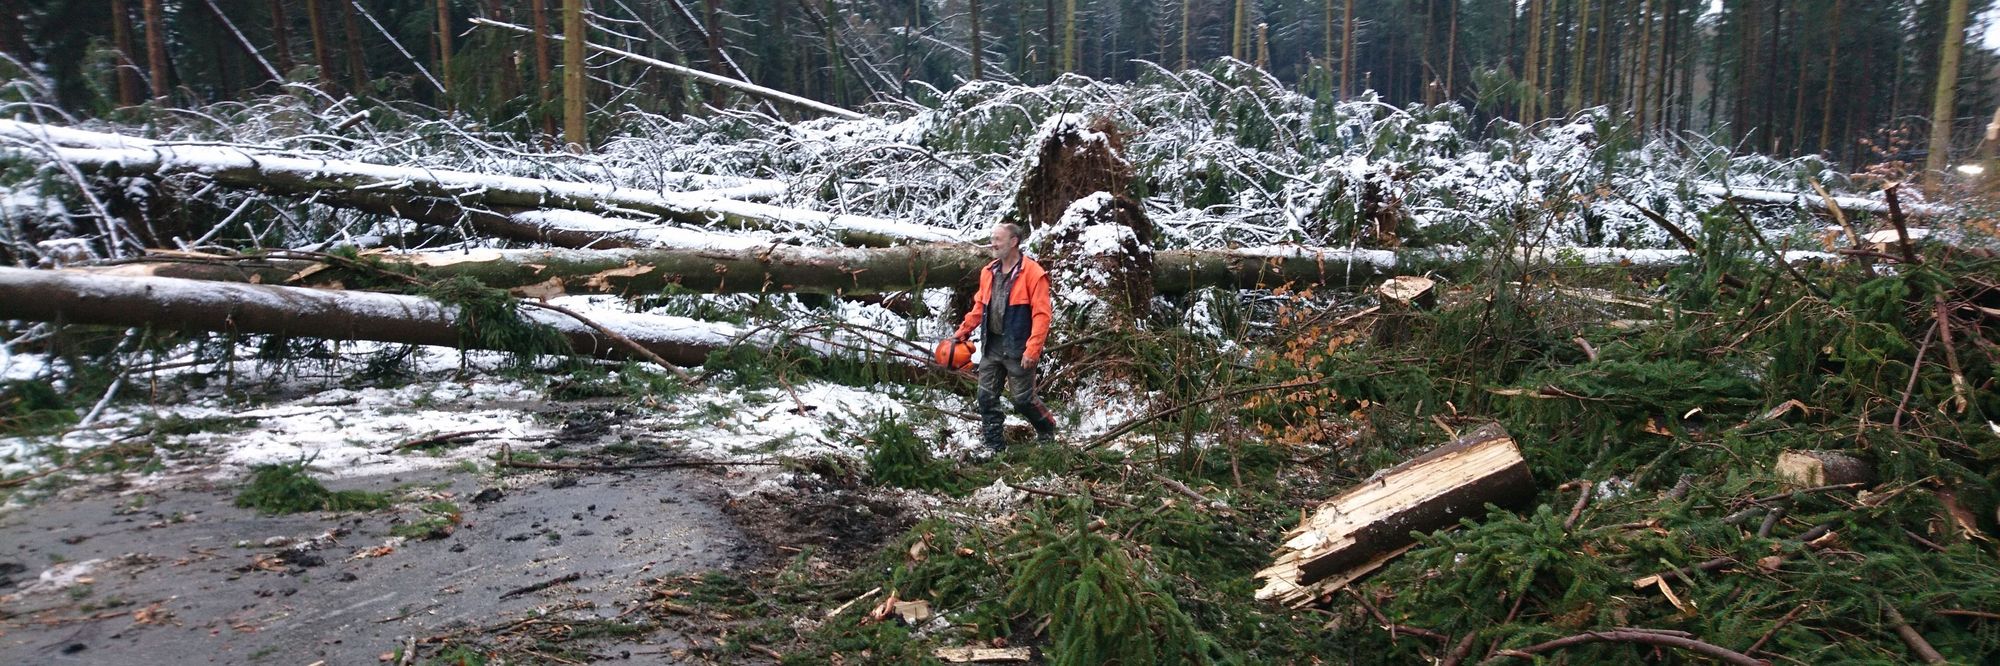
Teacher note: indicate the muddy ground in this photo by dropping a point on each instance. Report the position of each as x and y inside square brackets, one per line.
[181, 575]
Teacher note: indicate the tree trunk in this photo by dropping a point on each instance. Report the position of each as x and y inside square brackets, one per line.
[1347, 50]
[242, 41]
[322, 53]
[128, 66]
[12, 42]
[1069, 54]
[1814, 468]
[978, 46]
[1362, 527]
[444, 48]
[575, 128]
[293, 174]
[1573, 101]
[1187, 31]
[756, 269]
[1944, 104]
[1832, 75]
[167, 303]
[1770, 127]
[1530, 73]
[156, 48]
[544, 68]
[281, 36]
[1451, 55]
[1642, 67]
[713, 263]
[357, 59]
[1236, 28]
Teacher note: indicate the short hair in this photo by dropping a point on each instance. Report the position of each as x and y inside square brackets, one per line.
[1014, 228]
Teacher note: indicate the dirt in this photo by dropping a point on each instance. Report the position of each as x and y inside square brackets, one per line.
[181, 575]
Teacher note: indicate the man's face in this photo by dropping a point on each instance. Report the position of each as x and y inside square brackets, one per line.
[1003, 242]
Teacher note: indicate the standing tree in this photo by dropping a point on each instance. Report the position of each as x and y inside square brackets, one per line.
[574, 130]
[1945, 103]
[156, 47]
[128, 68]
[444, 47]
[977, 47]
[322, 55]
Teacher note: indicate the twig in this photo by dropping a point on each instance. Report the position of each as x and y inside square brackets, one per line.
[1807, 491]
[1787, 619]
[1588, 351]
[1910, 636]
[1635, 636]
[1770, 520]
[1462, 650]
[1582, 500]
[1968, 613]
[1950, 354]
[1902, 230]
[537, 587]
[1933, 545]
[1916, 367]
[439, 439]
[851, 602]
[1187, 492]
[1133, 424]
[1853, 238]
[1392, 627]
[1057, 495]
[637, 349]
[409, 651]
[1777, 257]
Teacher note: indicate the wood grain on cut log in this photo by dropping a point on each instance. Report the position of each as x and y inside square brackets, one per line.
[1366, 524]
[1815, 468]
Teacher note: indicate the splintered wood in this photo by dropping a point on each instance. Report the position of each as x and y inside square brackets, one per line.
[1369, 524]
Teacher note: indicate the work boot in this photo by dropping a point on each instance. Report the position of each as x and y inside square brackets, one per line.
[1047, 436]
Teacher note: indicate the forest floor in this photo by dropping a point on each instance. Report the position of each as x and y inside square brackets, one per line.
[156, 563]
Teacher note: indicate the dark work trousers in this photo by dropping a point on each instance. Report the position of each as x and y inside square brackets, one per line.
[998, 367]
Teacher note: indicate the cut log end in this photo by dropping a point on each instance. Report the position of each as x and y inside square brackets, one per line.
[1815, 468]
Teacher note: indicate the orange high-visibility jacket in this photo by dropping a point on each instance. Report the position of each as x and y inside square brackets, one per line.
[1028, 308]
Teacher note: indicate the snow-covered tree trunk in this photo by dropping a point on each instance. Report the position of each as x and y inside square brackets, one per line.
[299, 174]
[169, 303]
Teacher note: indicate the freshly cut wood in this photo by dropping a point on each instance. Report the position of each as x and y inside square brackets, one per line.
[1366, 525]
[1410, 291]
[972, 655]
[1815, 468]
[39, 295]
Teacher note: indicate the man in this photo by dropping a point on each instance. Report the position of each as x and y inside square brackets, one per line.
[1011, 313]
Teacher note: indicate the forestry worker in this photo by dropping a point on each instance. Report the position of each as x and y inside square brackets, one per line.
[1011, 313]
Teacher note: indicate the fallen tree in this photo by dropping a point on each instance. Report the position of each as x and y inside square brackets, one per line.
[716, 263]
[172, 303]
[1366, 525]
[306, 174]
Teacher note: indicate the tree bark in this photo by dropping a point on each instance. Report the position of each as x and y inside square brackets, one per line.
[1816, 468]
[156, 48]
[1362, 524]
[322, 54]
[1832, 76]
[1346, 49]
[444, 48]
[128, 65]
[1530, 75]
[978, 46]
[32, 295]
[304, 175]
[1944, 104]
[575, 127]
[768, 269]
[544, 68]
[1573, 100]
[357, 59]
[1069, 54]
[281, 36]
